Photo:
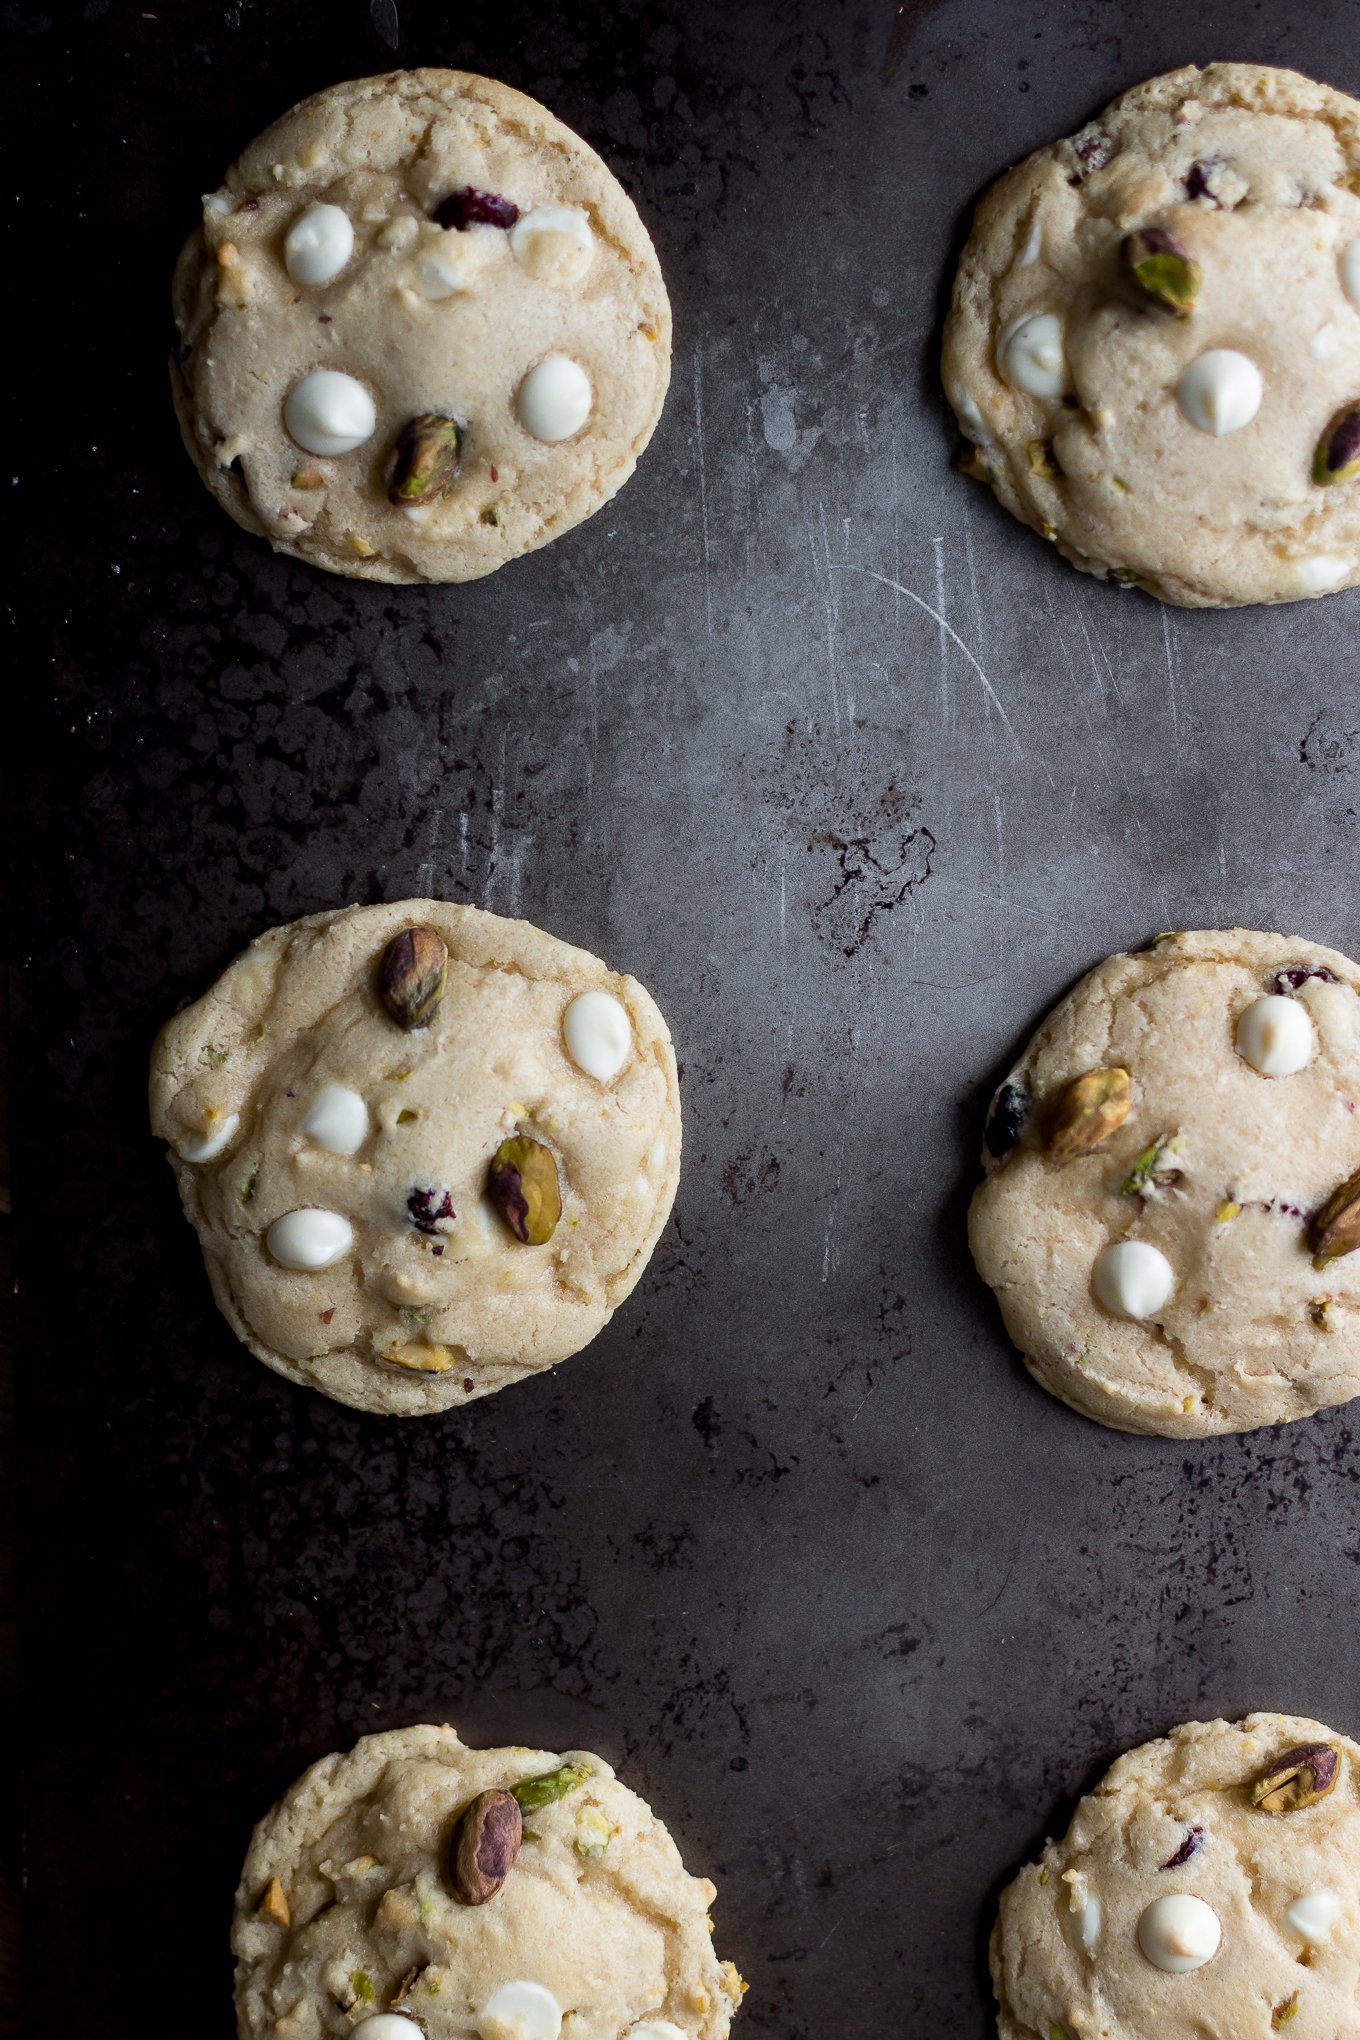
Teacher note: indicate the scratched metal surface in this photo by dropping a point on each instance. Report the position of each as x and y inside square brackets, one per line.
[857, 777]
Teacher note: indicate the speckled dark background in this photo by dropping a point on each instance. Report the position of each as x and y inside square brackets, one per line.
[795, 1543]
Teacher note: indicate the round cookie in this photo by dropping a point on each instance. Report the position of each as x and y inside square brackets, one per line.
[422, 330]
[1154, 344]
[427, 1151]
[1209, 1884]
[1171, 1203]
[414, 1889]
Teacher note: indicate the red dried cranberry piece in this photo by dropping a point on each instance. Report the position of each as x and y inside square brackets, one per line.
[1191, 1846]
[1197, 178]
[1291, 980]
[472, 208]
[430, 1208]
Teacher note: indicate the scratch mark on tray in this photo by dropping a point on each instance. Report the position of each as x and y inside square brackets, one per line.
[941, 604]
[703, 484]
[846, 567]
[831, 1258]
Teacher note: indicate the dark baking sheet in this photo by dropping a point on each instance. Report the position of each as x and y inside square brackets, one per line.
[857, 777]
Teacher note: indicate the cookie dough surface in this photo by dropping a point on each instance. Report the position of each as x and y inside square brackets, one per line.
[425, 319]
[1077, 421]
[434, 1300]
[346, 1904]
[1174, 1820]
[1222, 1170]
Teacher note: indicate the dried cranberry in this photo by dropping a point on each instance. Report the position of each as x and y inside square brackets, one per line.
[430, 1209]
[1197, 179]
[1006, 1120]
[1191, 1846]
[1291, 980]
[249, 205]
[472, 208]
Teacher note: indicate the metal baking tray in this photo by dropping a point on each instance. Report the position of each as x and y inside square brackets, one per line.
[857, 777]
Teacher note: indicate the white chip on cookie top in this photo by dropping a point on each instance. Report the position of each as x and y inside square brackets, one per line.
[1180, 1933]
[1350, 272]
[1031, 355]
[309, 1239]
[553, 243]
[656, 2029]
[554, 399]
[389, 2026]
[337, 1120]
[598, 1034]
[318, 244]
[1133, 1279]
[520, 2011]
[1221, 391]
[1314, 1915]
[206, 1146]
[1320, 574]
[329, 413]
[1276, 1036]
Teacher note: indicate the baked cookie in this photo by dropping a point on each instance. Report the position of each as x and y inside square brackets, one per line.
[414, 1889]
[426, 1150]
[1209, 1885]
[421, 330]
[1171, 1208]
[1154, 345]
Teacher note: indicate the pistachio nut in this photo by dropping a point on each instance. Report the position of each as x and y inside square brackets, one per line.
[485, 1844]
[521, 1182]
[1042, 459]
[1153, 1169]
[549, 1786]
[1283, 2013]
[1086, 1112]
[1298, 1778]
[1336, 1229]
[273, 1905]
[418, 1356]
[973, 463]
[412, 973]
[1163, 269]
[423, 465]
[408, 1984]
[1338, 453]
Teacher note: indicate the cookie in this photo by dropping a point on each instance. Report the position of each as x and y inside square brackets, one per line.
[415, 1889]
[1154, 344]
[1171, 1207]
[427, 1151]
[422, 330]
[1209, 1884]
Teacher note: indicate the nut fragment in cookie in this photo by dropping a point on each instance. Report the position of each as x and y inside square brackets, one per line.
[371, 1065]
[449, 1932]
[425, 245]
[1298, 1778]
[412, 974]
[1236, 1303]
[1086, 1112]
[1152, 326]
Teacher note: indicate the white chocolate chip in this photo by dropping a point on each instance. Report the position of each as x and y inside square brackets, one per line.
[1089, 1922]
[206, 1146]
[554, 399]
[655, 2029]
[598, 1034]
[329, 413]
[520, 2011]
[216, 202]
[1179, 1933]
[1133, 1279]
[309, 1239]
[1033, 247]
[389, 2026]
[337, 1120]
[1322, 573]
[553, 243]
[318, 244]
[439, 275]
[1314, 1915]
[1275, 1035]
[1325, 341]
[1350, 273]
[971, 419]
[1032, 356]
[1221, 391]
